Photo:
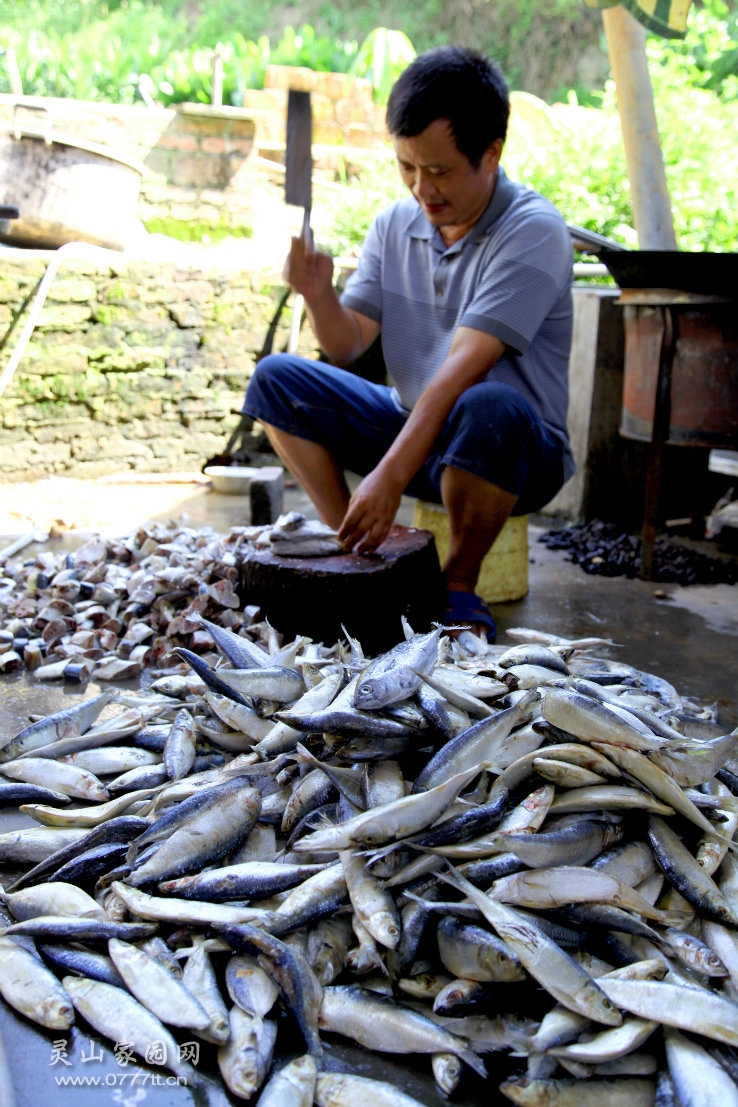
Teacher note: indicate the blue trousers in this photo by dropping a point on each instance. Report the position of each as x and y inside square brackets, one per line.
[492, 431]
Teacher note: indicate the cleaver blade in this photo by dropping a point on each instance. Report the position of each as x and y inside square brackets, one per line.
[298, 173]
[298, 182]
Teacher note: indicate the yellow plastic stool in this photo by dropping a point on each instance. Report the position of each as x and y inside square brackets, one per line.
[504, 572]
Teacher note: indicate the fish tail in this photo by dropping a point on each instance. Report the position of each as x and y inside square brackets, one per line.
[304, 754]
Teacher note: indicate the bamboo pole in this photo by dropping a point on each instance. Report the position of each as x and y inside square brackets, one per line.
[626, 45]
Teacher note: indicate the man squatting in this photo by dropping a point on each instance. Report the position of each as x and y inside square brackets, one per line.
[469, 283]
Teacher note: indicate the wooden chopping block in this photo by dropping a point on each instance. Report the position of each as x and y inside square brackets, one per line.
[367, 594]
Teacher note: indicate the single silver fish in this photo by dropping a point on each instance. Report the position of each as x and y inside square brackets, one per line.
[341, 1089]
[388, 1027]
[28, 986]
[154, 986]
[293, 1085]
[244, 1060]
[121, 1018]
[396, 675]
[71, 721]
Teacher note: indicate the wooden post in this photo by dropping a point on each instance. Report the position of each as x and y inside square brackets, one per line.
[626, 45]
[216, 95]
[11, 64]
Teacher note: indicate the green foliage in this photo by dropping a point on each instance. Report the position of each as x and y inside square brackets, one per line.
[306, 48]
[141, 53]
[706, 58]
[186, 231]
[158, 50]
[574, 156]
[701, 172]
[581, 165]
[381, 58]
[101, 59]
[377, 186]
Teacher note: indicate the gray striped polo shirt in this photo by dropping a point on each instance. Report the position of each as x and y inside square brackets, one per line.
[510, 276]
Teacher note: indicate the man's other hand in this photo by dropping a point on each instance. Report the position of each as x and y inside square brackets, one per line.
[308, 271]
[370, 514]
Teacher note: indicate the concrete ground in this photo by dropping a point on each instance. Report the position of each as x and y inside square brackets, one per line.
[689, 636]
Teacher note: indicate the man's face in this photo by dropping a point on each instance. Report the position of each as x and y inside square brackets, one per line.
[451, 192]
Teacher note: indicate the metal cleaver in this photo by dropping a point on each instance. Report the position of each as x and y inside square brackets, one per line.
[298, 181]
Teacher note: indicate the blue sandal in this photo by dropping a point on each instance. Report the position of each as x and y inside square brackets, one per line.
[466, 607]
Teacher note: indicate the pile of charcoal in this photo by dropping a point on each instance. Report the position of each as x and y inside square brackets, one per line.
[603, 549]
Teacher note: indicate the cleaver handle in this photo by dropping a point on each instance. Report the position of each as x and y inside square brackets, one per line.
[298, 302]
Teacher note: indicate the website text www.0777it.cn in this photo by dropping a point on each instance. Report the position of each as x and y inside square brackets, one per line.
[120, 1080]
[155, 1054]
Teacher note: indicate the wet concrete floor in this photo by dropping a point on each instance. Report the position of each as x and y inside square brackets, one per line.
[689, 636]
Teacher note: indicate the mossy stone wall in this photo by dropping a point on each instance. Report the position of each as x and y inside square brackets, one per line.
[132, 366]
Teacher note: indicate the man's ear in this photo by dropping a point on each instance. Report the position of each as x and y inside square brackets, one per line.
[492, 155]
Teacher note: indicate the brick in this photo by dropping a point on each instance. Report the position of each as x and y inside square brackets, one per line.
[181, 142]
[289, 76]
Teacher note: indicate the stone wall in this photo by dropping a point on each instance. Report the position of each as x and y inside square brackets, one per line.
[142, 365]
[132, 366]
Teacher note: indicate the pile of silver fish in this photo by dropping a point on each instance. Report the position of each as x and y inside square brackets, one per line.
[115, 607]
[451, 849]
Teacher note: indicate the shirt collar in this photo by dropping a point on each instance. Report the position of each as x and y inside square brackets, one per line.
[419, 227]
[501, 199]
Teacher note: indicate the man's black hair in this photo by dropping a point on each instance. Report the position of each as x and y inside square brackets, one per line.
[457, 84]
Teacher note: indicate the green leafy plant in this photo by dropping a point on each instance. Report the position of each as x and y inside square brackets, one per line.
[125, 50]
[706, 58]
[377, 185]
[306, 48]
[381, 58]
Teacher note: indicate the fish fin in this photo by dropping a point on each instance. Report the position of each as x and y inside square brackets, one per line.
[305, 754]
[373, 855]
[449, 875]
[407, 630]
[429, 904]
[474, 1062]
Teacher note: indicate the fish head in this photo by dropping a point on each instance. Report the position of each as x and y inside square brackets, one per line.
[56, 1013]
[246, 1075]
[371, 694]
[391, 686]
[508, 968]
[387, 930]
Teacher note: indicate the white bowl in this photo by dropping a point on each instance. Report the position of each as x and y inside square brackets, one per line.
[231, 479]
